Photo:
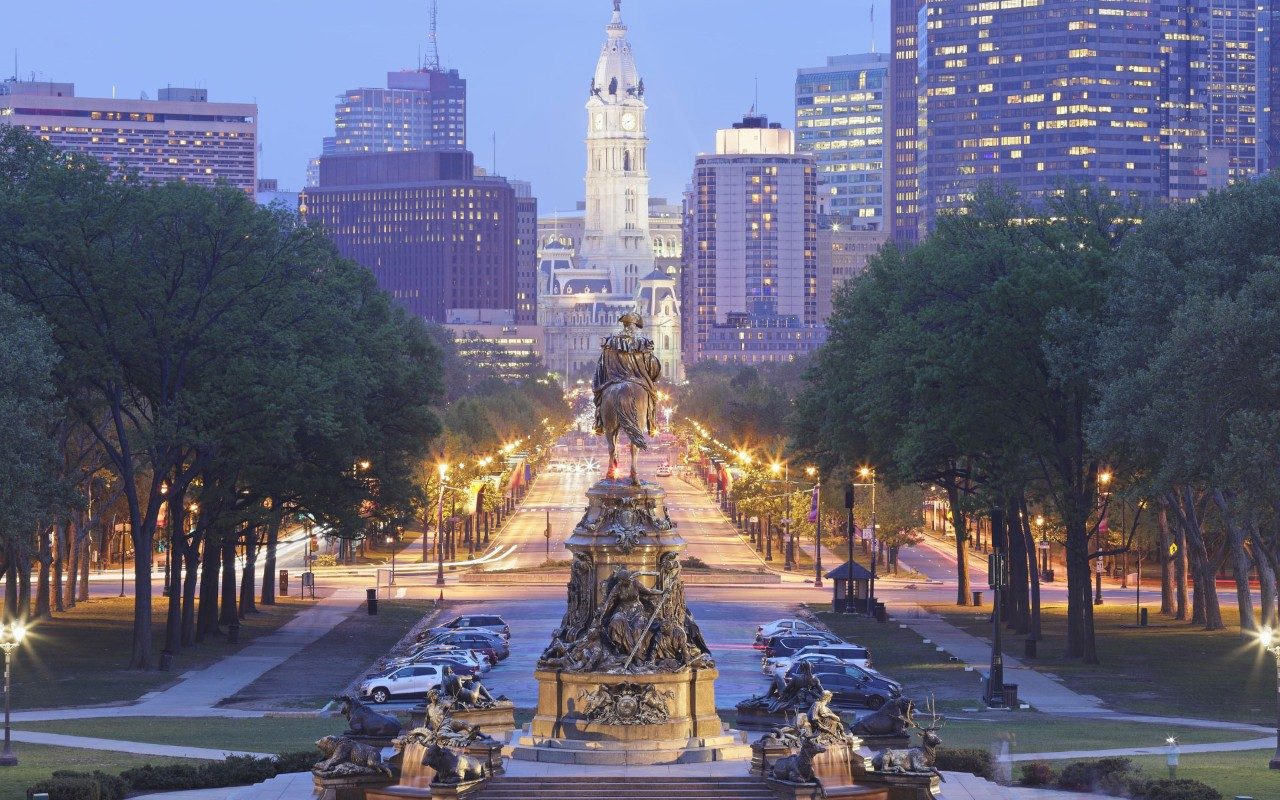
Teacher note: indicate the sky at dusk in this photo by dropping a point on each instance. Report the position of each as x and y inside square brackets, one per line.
[528, 65]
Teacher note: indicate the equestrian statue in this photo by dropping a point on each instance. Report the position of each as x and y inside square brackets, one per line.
[625, 391]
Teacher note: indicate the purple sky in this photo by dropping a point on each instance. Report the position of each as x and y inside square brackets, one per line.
[527, 62]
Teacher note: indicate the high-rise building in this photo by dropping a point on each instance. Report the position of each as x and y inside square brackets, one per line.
[1154, 100]
[180, 136]
[842, 119]
[665, 224]
[436, 236]
[844, 248]
[590, 286]
[750, 276]
[419, 109]
[526, 309]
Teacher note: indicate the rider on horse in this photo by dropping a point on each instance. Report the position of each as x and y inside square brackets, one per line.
[625, 388]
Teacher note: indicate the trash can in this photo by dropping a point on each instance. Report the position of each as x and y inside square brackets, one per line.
[284, 583]
[882, 614]
[1142, 617]
[1029, 649]
[1011, 695]
[977, 598]
[371, 596]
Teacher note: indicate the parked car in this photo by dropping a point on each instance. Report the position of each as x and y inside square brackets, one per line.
[481, 641]
[847, 653]
[873, 678]
[848, 692]
[414, 680]
[779, 665]
[483, 658]
[490, 622]
[787, 644]
[463, 661]
[781, 626]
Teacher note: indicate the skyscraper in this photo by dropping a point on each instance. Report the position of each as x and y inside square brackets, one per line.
[1152, 99]
[750, 276]
[419, 109]
[439, 239]
[180, 136]
[842, 118]
[526, 308]
[582, 294]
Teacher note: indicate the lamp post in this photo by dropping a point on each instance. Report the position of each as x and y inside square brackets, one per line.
[443, 470]
[868, 473]
[1104, 480]
[812, 472]
[789, 558]
[995, 579]
[848, 504]
[391, 542]
[122, 529]
[1270, 641]
[10, 637]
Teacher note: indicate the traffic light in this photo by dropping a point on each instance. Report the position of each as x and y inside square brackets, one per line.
[999, 535]
[848, 496]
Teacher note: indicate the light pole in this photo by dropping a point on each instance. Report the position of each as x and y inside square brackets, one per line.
[788, 535]
[10, 637]
[391, 542]
[443, 470]
[1270, 641]
[812, 472]
[848, 504]
[1104, 479]
[868, 473]
[122, 529]
[995, 579]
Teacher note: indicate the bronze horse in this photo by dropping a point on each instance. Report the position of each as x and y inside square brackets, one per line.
[623, 408]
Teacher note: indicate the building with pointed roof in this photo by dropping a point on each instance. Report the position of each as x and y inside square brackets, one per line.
[613, 269]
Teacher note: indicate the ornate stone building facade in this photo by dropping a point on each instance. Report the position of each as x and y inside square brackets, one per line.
[587, 283]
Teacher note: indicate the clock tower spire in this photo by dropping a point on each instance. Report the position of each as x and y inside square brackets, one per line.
[616, 228]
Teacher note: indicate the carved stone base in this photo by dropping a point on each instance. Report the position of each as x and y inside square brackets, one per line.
[691, 707]
[895, 742]
[795, 791]
[726, 747]
[496, 722]
[762, 757]
[490, 754]
[350, 787]
[756, 719]
[453, 790]
[904, 786]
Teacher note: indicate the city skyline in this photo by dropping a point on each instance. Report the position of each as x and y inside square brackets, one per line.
[520, 63]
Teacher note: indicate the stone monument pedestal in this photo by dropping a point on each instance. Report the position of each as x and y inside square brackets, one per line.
[497, 722]
[348, 787]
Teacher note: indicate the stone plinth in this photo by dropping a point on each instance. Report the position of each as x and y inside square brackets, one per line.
[497, 722]
[348, 787]
[893, 742]
[691, 706]
[763, 756]
[758, 719]
[448, 791]
[903, 786]
[490, 754]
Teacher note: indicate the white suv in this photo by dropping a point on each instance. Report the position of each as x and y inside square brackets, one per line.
[413, 680]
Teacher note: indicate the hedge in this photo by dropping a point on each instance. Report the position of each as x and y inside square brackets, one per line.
[234, 771]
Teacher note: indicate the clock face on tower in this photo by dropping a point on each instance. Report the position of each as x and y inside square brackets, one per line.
[598, 121]
[628, 122]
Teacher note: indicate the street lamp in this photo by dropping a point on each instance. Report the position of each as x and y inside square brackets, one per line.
[391, 542]
[812, 472]
[443, 470]
[869, 474]
[10, 637]
[1104, 481]
[1270, 641]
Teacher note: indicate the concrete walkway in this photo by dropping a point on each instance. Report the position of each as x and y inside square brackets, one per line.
[136, 748]
[198, 692]
[1267, 743]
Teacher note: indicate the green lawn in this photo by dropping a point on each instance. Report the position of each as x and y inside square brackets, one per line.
[36, 762]
[265, 735]
[1031, 732]
[1242, 773]
[80, 657]
[1168, 669]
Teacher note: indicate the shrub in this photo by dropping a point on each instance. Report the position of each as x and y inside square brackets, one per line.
[325, 560]
[693, 562]
[1109, 775]
[301, 761]
[977, 762]
[1174, 789]
[75, 786]
[1037, 773]
[110, 787]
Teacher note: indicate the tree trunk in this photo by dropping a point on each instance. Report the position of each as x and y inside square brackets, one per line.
[207, 613]
[1019, 578]
[1033, 569]
[1266, 579]
[44, 607]
[227, 614]
[173, 615]
[247, 576]
[10, 581]
[962, 554]
[83, 561]
[1081, 642]
[24, 585]
[1240, 566]
[64, 533]
[190, 570]
[1206, 588]
[269, 563]
[1166, 573]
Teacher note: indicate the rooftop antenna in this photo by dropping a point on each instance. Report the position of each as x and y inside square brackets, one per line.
[755, 97]
[495, 152]
[873, 26]
[433, 44]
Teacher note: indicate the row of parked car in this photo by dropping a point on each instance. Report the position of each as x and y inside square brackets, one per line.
[471, 644]
[843, 668]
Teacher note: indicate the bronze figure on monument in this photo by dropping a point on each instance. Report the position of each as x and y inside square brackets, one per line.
[625, 393]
